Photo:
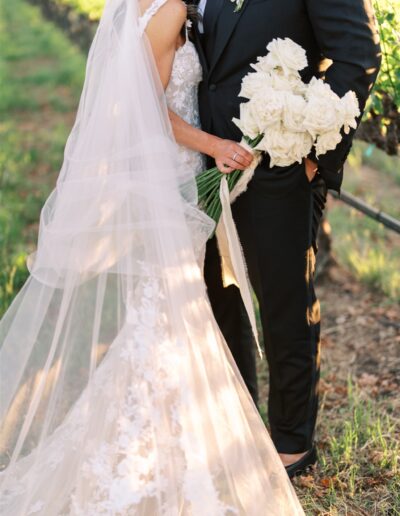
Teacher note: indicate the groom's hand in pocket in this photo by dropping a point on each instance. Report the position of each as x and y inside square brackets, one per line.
[311, 169]
[230, 156]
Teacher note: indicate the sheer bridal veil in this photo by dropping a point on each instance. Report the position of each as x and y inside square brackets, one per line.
[118, 394]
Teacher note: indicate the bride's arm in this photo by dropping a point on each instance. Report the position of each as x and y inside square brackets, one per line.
[223, 151]
[163, 32]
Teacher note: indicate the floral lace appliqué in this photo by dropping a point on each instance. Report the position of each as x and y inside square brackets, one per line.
[182, 98]
[132, 471]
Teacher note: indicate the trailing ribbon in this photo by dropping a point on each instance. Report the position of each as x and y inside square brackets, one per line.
[247, 175]
[234, 271]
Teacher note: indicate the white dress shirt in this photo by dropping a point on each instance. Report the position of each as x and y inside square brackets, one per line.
[202, 8]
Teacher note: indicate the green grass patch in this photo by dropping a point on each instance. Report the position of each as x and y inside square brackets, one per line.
[369, 155]
[41, 75]
[358, 470]
[35, 59]
[365, 246]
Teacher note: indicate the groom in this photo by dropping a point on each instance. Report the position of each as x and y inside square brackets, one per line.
[277, 218]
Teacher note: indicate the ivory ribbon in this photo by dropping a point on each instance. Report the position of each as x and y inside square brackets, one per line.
[234, 270]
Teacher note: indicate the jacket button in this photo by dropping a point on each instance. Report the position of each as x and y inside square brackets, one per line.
[212, 87]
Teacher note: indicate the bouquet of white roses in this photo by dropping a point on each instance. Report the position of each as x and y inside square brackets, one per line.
[283, 117]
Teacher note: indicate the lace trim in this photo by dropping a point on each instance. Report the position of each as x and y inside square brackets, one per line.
[149, 13]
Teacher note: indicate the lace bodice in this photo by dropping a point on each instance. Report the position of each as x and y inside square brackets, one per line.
[182, 97]
[182, 90]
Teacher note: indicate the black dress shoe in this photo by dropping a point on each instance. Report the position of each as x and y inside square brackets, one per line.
[299, 467]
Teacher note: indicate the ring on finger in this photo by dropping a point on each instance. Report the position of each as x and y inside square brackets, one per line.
[234, 156]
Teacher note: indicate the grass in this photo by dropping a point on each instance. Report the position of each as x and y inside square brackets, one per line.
[359, 458]
[371, 251]
[368, 155]
[41, 74]
[365, 247]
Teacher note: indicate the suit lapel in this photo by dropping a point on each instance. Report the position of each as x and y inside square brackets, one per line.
[197, 40]
[225, 28]
[213, 8]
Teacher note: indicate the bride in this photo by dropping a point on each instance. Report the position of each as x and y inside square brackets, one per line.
[118, 394]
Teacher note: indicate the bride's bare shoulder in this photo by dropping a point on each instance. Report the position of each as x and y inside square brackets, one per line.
[166, 24]
[174, 10]
[176, 7]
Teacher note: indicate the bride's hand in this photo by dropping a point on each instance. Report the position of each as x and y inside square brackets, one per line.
[230, 156]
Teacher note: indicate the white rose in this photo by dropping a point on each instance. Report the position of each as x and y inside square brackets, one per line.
[265, 64]
[317, 88]
[285, 147]
[252, 83]
[321, 115]
[349, 111]
[246, 123]
[327, 141]
[290, 82]
[286, 54]
[294, 112]
[263, 145]
[267, 108]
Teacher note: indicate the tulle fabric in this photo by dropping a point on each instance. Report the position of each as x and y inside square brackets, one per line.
[118, 393]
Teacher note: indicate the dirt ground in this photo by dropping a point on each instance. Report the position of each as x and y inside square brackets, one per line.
[360, 333]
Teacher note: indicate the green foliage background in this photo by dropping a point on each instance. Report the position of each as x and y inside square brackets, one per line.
[381, 123]
[388, 16]
[91, 8]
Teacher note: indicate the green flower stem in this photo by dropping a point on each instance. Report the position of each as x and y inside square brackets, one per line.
[213, 207]
[209, 185]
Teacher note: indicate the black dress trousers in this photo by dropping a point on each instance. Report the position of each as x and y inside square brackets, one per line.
[277, 220]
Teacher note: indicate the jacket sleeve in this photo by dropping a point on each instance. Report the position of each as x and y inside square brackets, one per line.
[346, 33]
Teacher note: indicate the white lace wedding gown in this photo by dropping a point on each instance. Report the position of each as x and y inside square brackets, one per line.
[164, 425]
[182, 97]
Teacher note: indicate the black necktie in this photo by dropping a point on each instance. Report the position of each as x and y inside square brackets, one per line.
[210, 14]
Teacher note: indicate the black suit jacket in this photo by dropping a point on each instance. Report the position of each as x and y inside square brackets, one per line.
[343, 31]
